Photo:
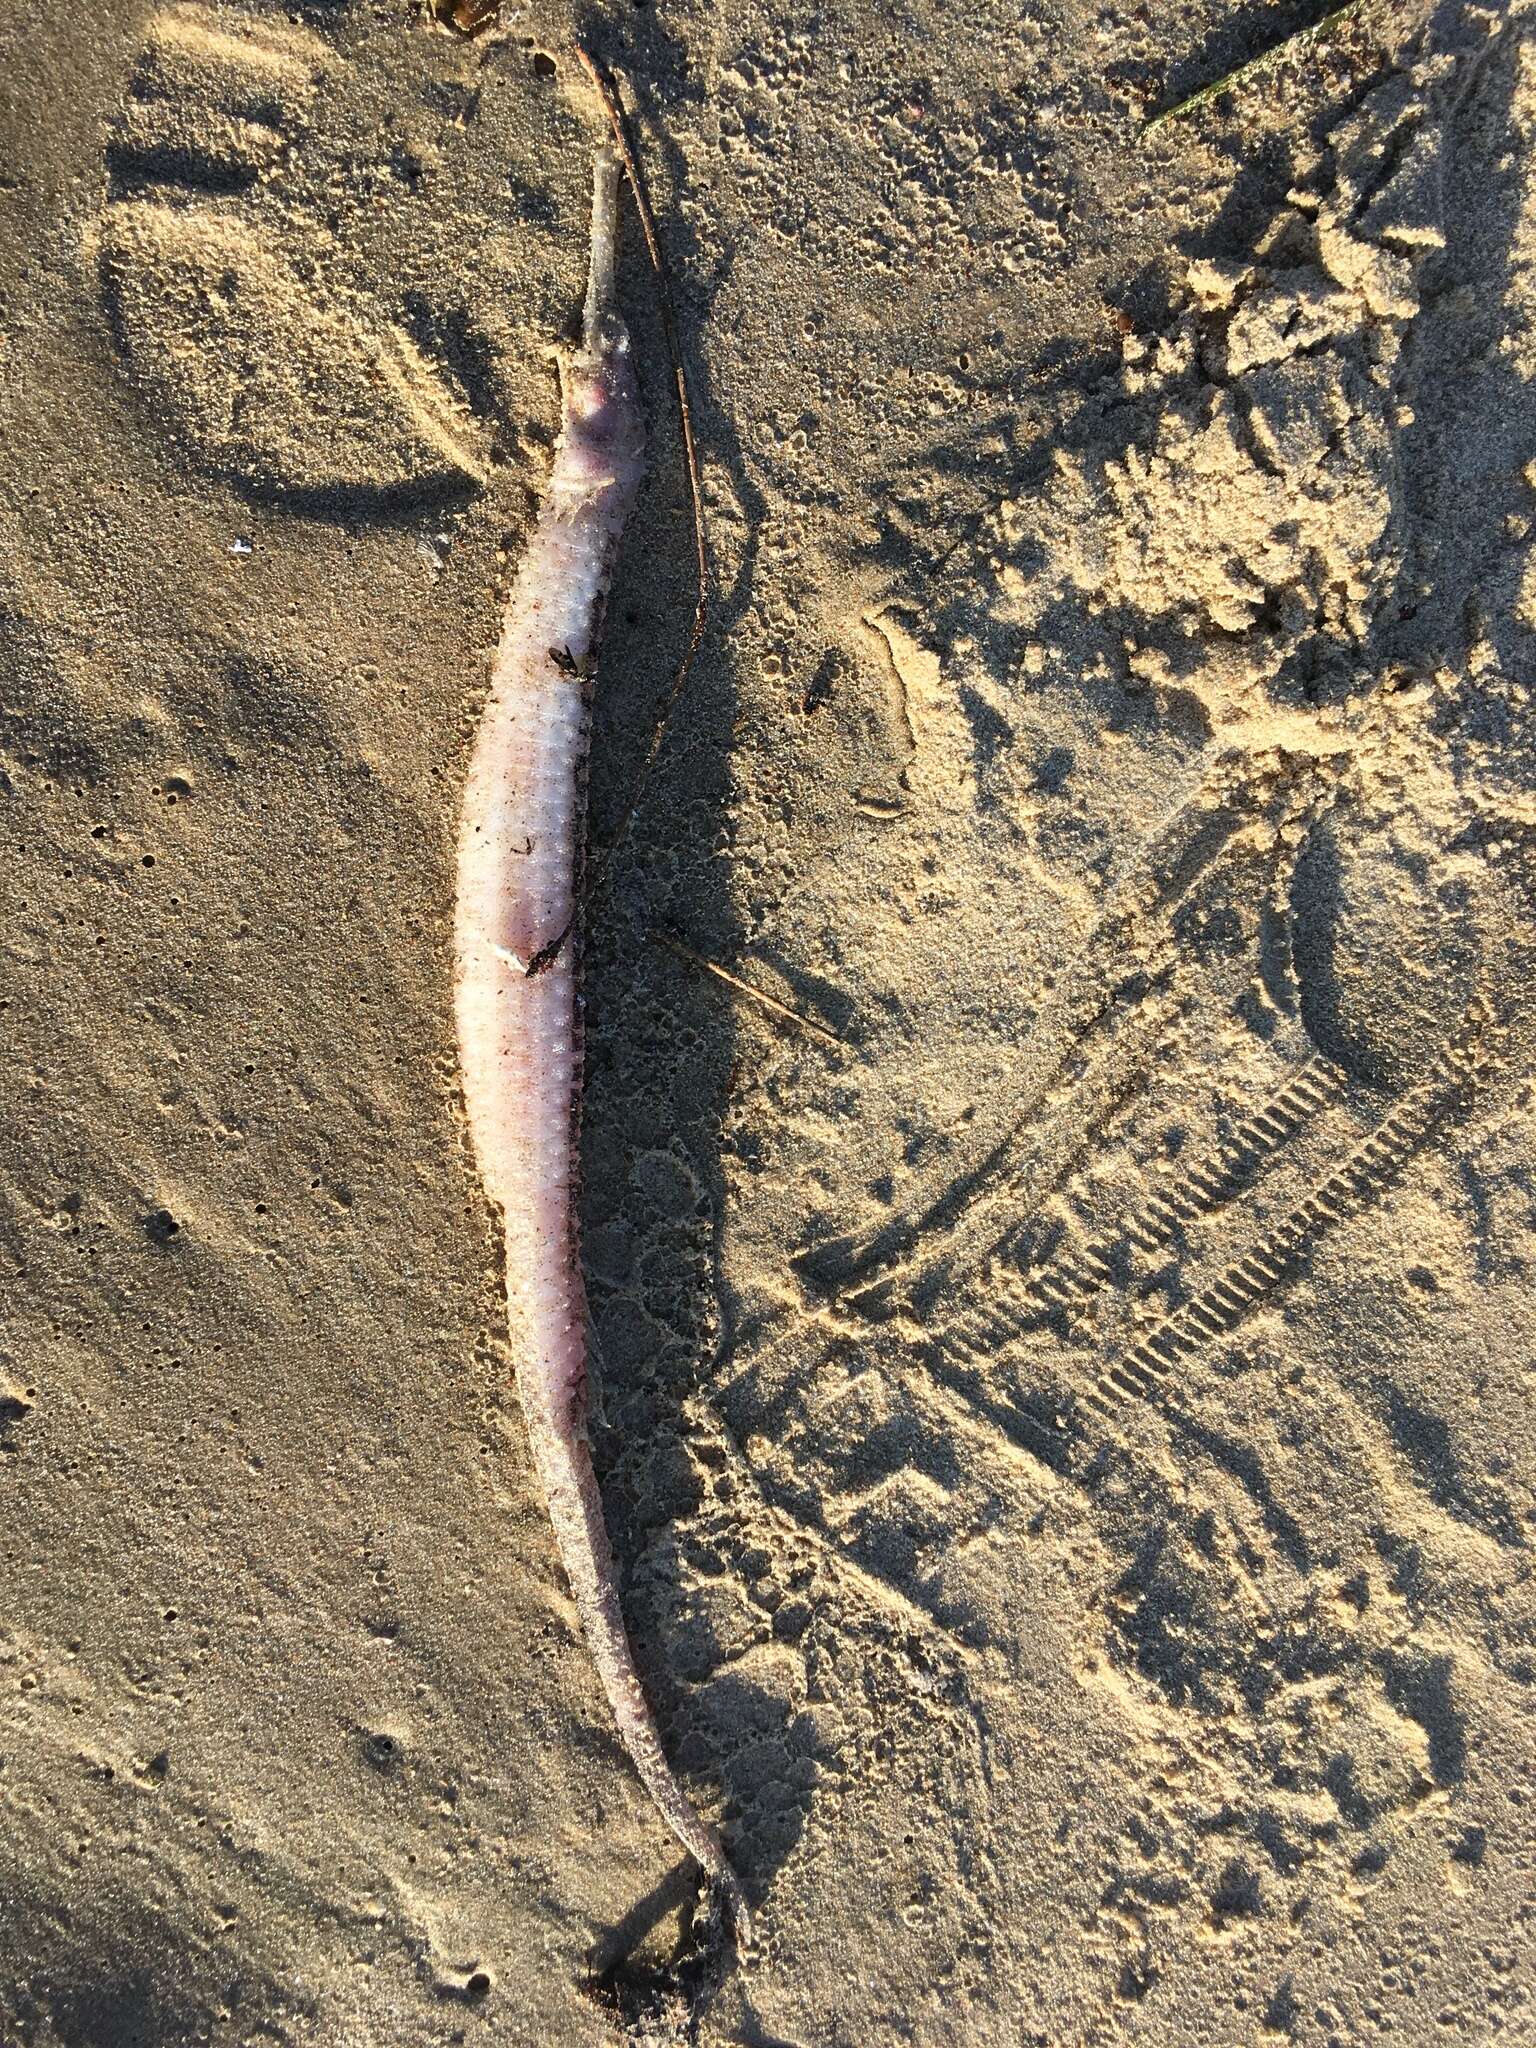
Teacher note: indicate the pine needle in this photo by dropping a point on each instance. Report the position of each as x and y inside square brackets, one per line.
[746, 989]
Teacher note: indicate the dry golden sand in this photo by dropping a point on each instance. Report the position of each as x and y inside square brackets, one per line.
[1069, 1441]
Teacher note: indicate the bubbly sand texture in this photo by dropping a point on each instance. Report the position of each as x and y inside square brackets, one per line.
[1069, 1440]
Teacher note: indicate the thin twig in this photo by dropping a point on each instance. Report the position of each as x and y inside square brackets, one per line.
[1293, 46]
[615, 112]
[745, 988]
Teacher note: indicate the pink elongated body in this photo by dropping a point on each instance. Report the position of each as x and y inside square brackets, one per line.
[517, 943]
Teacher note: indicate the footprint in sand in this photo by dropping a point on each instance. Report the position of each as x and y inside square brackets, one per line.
[263, 375]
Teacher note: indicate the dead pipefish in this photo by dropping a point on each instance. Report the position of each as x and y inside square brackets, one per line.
[518, 947]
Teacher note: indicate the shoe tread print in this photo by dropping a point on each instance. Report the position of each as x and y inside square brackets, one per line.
[263, 375]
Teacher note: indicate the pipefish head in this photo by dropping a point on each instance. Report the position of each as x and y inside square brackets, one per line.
[603, 425]
[603, 433]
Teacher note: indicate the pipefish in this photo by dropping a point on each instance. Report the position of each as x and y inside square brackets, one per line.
[517, 940]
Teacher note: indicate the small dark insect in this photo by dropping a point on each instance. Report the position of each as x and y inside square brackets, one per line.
[465, 17]
[568, 665]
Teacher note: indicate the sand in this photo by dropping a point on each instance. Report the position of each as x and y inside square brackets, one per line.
[1066, 1423]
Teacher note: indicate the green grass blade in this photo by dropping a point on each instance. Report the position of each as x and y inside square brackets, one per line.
[1296, 45]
